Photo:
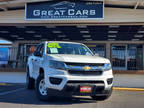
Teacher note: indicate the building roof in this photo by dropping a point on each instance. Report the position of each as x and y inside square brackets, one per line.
[6, 5]
[73, 33]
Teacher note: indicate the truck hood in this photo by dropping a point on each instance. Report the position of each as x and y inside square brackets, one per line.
[78, 58]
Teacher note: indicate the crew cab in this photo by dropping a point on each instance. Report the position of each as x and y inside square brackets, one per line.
[60, 68]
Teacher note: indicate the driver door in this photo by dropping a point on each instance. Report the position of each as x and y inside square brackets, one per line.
[38, 59]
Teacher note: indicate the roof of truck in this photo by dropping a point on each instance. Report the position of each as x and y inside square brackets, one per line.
[63, 42]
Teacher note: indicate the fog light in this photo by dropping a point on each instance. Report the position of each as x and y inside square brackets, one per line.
[55, 80]
[109, 81]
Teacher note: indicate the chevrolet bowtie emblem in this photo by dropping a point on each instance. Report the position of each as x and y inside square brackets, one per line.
[100, 67]
[86, 68]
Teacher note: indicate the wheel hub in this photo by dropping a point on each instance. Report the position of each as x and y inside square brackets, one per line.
[42, 88]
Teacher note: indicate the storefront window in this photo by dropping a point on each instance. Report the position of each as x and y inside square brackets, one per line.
[99, 49]
[119, 57]
[127, 57]
[24, 51]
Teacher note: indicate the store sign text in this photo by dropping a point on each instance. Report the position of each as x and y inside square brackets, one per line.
[64, 10]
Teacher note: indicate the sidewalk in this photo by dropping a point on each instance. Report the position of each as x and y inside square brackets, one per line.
[120, 80]
[12, 77]
[129, 80]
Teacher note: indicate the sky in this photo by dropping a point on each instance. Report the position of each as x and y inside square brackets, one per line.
[4, 41]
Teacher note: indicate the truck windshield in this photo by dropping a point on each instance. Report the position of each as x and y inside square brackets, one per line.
[68, 48]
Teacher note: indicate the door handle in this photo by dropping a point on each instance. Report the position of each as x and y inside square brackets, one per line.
[33, 59]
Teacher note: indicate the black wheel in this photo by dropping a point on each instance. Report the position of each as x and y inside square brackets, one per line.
[102, 98]
[30, 82]
[41, 90]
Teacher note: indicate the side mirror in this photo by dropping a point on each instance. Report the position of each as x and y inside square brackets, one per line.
[96, 54]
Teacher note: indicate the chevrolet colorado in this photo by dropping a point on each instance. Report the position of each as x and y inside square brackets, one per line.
[60, 68]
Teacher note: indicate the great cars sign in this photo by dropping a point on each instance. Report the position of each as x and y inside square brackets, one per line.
[68, 10]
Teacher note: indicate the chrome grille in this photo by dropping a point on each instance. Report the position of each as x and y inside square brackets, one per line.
[78, 72]
[84, 64]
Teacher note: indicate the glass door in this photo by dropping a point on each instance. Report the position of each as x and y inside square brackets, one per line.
[143, 57]
[139, 56]
[135, 57]
[131, 59]
[118, 57]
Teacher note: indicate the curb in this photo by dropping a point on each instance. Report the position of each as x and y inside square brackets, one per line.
[128, 89]
[3, 84]
[114, 88]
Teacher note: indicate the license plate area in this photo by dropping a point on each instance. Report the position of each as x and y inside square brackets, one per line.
[85, 89]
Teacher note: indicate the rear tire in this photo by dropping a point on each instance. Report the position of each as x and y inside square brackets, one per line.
[102, 98]
[41, 90]
[30, 82]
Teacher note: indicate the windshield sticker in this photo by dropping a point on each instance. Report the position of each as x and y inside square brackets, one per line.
[54, 50]
[85, 48]
[88, 54]
[53, 45]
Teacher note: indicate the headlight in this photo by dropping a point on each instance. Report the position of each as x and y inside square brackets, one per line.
[106, 67]
[57, 65]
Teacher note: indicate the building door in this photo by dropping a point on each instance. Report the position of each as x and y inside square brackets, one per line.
[143, 57]
[139, 56]
[118, 57]
[135, 57]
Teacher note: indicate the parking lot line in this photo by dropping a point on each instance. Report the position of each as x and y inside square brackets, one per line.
[12, 91]
[128, 89]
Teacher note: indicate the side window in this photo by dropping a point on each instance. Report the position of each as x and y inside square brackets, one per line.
[39, 51]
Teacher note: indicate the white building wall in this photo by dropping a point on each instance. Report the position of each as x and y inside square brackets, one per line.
[111, 15]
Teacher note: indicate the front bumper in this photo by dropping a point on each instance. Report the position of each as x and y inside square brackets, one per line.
[66, 78]
[74, 89]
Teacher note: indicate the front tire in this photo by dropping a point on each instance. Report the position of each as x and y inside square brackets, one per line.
[102, 98]
[29, 82]
[41, 90]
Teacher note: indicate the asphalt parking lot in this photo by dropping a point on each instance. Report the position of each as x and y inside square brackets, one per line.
[17, 96]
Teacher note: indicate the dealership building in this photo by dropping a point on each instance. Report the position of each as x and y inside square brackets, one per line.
[112, 28]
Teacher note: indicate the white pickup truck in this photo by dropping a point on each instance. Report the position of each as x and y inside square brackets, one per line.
[67, 68]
